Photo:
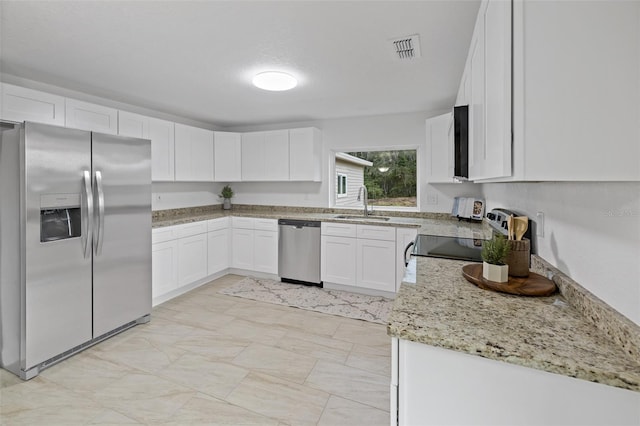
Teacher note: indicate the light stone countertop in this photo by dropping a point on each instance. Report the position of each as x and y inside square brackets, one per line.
[431, 224]
[546, 333]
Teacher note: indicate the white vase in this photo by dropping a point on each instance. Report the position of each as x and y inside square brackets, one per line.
[226, 204]
[495, 273]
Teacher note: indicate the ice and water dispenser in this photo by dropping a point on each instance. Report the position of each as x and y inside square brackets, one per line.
[60, 217]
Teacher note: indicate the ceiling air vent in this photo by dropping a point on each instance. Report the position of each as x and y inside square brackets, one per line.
[406, 47]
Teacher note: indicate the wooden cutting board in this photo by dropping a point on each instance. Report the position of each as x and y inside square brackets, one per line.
[533, 285]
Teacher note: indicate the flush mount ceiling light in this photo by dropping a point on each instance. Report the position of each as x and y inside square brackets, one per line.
[276, 81]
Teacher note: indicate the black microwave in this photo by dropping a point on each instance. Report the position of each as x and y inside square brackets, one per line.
[461, 142]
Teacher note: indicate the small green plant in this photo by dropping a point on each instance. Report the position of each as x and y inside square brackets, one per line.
[227, 192]
[495, 250]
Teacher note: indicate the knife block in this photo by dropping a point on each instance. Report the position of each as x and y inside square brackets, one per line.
[518, 258]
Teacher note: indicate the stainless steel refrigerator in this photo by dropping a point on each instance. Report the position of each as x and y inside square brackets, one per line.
[75, 241]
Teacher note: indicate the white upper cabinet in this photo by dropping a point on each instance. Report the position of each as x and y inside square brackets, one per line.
[162, 135]
[193, 154]
[133, 125]
[439, 149]
[227, 156]
[305, 154]
[477, 101]
[88, 116]
[21, 104]
[265, 156]
[547, 105]
[576, 97]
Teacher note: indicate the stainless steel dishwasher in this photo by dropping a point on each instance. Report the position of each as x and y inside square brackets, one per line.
[299, 251]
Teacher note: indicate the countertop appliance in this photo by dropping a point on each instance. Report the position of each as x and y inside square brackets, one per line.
[468, 208]
[75, 241]
[497, 218]
[299, 251]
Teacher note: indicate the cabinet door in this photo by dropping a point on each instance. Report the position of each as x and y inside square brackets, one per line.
[265, 251]
[305, 153]
[476, 105]
[21, 104]
[438, 147]
[133, 125]
[404, 236]
[87, 116]
[376, 265]
[162, 136]
[192, 259]
[227, 156]
[338, 260]
[242, 248]
[164, 271]
[253, 156]
[193, 154]
[497, 57]
[218, 251]
[276, 155]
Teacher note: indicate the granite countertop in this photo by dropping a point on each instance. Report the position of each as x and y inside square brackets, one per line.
[547, 333]
[427, 223]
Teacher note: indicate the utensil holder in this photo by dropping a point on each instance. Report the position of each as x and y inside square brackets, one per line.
[518, 258]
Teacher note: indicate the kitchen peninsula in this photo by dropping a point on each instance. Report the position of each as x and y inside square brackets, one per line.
[448, 335]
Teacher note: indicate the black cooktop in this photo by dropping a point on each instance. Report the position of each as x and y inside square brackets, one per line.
[448, 247]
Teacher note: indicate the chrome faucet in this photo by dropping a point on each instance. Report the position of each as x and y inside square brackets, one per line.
[366, 199]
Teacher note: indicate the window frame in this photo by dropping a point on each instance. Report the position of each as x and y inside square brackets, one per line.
[419, 170]
[345, 178]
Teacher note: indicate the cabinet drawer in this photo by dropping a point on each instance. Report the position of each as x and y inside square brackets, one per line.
[160, 235]
[242, 222]
[338, 229]
[384, 233]
[265, 224]
[217, 224]
[189, 229]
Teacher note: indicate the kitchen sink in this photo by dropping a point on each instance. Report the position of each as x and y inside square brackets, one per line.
[360, 217]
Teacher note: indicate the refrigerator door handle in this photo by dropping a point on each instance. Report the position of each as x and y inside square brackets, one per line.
[100, 214]
[87, 219]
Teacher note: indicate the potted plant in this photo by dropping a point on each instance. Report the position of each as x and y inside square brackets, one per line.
[494, 255]
[226, 194]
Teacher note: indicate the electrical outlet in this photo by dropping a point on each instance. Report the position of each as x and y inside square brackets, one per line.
[432, 198]
[540, 224]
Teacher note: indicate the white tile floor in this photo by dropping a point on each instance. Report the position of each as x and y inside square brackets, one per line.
[206, 358]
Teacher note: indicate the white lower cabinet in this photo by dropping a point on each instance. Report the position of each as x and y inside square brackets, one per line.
[164, 275]
[338, 259]
[265, 251]
[363, 256]
[217, 251]
[254, 244]
[437, 386]
[376, 264]
[242, 248]
[192, 258]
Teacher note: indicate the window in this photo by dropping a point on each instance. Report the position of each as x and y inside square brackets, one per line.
[342, 185]
[390, 178]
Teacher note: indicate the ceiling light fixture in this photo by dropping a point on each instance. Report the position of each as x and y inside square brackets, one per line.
[274, 81]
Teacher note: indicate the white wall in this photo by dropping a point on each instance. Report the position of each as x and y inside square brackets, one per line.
[348, 135]
[591, 233]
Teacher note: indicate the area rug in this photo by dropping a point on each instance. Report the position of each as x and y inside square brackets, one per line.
[335, 302]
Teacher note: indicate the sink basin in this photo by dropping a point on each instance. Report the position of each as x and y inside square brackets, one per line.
[360, 217]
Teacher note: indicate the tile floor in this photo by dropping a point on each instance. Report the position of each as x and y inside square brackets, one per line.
[206, 358]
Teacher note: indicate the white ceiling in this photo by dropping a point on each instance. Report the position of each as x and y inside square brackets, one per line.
[196, 59]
